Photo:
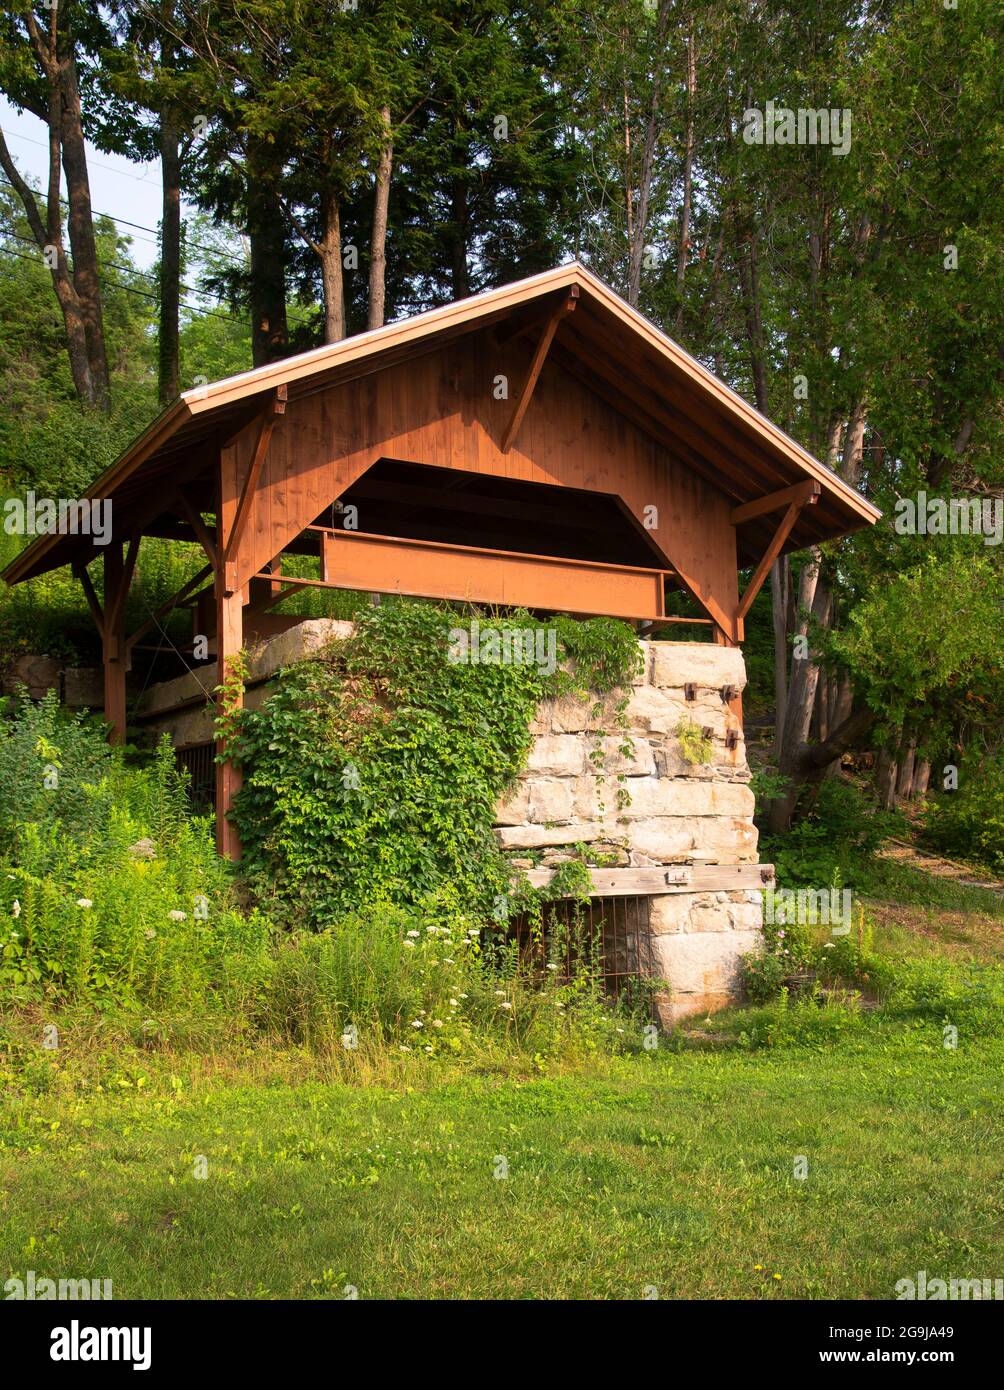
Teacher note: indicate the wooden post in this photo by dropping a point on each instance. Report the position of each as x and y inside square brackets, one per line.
[114, 654]
[229, 640]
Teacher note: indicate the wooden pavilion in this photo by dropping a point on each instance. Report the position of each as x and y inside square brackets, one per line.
[540, 445]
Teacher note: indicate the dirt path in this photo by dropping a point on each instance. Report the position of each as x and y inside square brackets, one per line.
[963, 874]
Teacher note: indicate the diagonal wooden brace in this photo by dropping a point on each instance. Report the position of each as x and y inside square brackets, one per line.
[550, 328]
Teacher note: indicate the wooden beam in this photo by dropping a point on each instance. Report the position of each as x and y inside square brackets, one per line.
[203, 534]
[770, 555]
[435, 569]
[92, 599]
[669, 878]
[807, 493]
[276, 406]
[550, 328]
[168, 603]
[114, 609]
[113, 654]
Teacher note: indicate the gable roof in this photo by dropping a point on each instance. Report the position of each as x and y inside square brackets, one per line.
[612, 348]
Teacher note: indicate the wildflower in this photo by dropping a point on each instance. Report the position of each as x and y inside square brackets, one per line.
[417, 1023]
[453, 1003]
[84, 902]
[780, 936]
[16, 909]
[404, 1047]
[149, 933]
[758, 1267]
[176, 916]
[829, 945]
[463, 996]
[430, 1049]
[500, 993]
[505, 1004]
[552, 967]
[411, 944]
[437, 1023]
[414, 933]
[775, 1276]
[447, 960]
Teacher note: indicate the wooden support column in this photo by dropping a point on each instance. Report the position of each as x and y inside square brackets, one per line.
[113, 648]
[229, 640]
[114, 651]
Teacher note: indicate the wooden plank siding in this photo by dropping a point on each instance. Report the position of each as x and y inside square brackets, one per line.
[441, 410]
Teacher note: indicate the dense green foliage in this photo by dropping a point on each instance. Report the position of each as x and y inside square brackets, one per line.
[373, 775]
[86, 914]
[969, 823]
[115, 899]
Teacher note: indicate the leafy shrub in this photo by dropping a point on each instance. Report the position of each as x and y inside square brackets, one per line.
[86, 910]
[969, 823]
[785, 952]
[373, 774]
[840, 832]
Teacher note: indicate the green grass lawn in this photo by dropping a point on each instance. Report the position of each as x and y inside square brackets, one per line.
[671, 1170]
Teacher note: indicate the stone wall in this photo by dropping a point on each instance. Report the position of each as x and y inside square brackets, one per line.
[636, 807]
[650, 806]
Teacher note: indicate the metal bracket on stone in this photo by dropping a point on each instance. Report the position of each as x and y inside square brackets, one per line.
[677, 875]
[728, 692]
[732, 738]
[690, 691]
[766, 872]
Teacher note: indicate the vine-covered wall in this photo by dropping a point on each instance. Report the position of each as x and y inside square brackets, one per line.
[427, 758]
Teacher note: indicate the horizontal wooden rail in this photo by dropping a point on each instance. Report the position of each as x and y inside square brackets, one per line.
[437, 569]
[671, 878]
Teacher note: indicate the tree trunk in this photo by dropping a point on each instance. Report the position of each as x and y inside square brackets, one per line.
[80, 224]
[270, 334]
[638, 225]
[801, 699]
[885, 780]
[907, 755]
[780, 581]
[79, 294]
[378, 245]
[683, 253]
[921, 779]
[170, 255]
[459, 275]
[329, 251]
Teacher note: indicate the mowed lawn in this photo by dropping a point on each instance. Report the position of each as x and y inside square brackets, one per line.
[664, 1174]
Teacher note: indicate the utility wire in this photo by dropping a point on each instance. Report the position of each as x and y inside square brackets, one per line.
[143, 294]
[138, 226]
[146, 275]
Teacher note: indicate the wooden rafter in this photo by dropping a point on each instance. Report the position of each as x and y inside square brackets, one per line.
[275, 407]
[202, 532]
[173, 602]
[92, 599]
[550, 328]
[805, 493]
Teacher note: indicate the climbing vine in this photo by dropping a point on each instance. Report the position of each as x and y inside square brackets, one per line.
[372, 774]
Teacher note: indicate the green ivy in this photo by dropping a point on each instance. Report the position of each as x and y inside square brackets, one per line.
[372, 773]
